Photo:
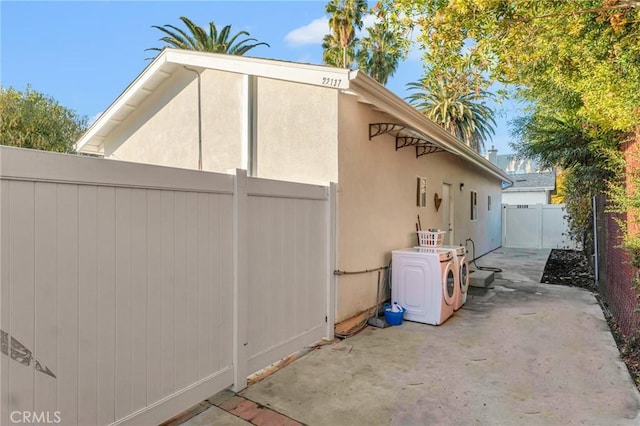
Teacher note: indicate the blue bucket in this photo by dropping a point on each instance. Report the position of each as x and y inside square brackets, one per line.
[393, 318]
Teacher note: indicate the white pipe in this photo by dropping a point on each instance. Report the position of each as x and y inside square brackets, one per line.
[199, 115]
[246, 123]
[249, 153]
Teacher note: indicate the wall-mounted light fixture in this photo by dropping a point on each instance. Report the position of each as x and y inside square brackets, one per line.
[461, 186]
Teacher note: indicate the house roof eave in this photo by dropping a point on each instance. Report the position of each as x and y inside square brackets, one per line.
[393, 105]
[529, 189]
[170, 59]
[91, 140]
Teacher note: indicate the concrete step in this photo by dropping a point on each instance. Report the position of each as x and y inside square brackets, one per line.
[479, 278]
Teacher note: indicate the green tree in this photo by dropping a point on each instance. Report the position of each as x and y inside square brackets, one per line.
[577, 62]
[379, 53]
[33, 120]
[461, 111]
[335, 55]
[345, 18]
[588, 156]
[197, 38]
[584, 49]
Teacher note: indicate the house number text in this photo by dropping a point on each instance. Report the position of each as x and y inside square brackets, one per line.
[333, 82]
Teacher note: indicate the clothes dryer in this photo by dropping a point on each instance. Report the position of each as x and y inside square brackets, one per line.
[462, 274]
[423, 282]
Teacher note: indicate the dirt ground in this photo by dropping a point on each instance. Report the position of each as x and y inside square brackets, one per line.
[571, 268]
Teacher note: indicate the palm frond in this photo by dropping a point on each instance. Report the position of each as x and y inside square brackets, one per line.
[199, 35]
[463, 114]
[176, 38]
[197, 38]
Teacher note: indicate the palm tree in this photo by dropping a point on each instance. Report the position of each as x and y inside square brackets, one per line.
[460, 110]
[379, 53]
[333, 53]
[197, 38]
[345, 16]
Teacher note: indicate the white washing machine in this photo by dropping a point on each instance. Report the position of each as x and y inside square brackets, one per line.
[423, 282]
[462, 274]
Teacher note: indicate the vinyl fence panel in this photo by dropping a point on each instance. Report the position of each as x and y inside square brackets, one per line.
[131, 292]
[108, 312]
[288, 268]
[536, 226]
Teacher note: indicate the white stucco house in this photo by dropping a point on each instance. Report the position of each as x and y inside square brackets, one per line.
[530, 188]
[311, 124]
[531, 183]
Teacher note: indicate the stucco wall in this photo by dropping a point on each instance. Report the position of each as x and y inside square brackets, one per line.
[377, 202]
[300, 138]
[525, 197]
[164, 129]
[297, 132]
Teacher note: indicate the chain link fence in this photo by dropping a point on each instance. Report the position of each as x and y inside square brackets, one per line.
[614, 271]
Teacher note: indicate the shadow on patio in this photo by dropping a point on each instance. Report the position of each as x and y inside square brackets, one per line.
[520, 353]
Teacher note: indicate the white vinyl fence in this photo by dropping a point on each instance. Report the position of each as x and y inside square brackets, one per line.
[130, 292]
[535, 226]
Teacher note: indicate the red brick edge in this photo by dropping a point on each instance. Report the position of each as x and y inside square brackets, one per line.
[256, 414]
[250, 411]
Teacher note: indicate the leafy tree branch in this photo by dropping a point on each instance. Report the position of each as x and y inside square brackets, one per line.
[30, 119]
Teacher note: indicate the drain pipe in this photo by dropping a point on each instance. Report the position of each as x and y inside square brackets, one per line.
[199, 115]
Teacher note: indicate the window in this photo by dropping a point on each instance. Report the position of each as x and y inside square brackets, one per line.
[489, 202]
[474, 205]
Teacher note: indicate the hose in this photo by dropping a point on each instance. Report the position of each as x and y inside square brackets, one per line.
[482, 268]
[386, 278]
[364, 271]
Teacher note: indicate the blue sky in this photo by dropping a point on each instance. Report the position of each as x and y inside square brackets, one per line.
[85, 53]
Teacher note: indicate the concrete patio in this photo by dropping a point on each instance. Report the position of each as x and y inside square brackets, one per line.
[520, 353]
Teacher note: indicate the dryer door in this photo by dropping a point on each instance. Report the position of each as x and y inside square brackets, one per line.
[464, 275]
[448, 283]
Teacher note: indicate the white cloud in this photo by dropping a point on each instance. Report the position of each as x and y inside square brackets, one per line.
[312, 33]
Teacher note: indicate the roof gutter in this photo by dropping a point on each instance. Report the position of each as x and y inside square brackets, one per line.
[121, 101]
[395, 106]
[529, 189]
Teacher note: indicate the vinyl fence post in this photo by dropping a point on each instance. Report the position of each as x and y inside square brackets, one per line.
[240, 281]
[541, 230]
[332, 251]
[503, 221]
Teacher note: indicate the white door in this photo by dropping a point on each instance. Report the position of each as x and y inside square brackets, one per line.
[447, 213]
